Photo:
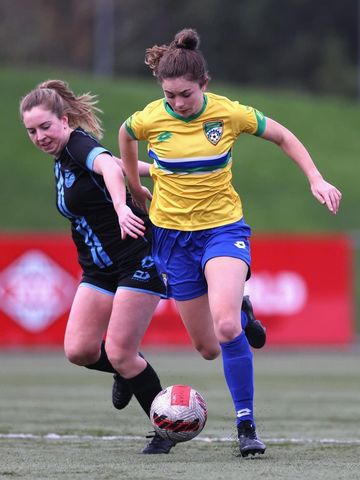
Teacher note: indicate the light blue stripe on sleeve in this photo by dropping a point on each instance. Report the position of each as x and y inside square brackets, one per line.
[93, 154]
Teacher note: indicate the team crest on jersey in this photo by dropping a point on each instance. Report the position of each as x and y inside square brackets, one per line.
[213, 131]
[69, 178]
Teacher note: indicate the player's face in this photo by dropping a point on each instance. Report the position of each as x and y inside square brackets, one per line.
[46, 130]
[184, 96]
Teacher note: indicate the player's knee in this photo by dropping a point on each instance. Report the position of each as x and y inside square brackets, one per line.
[227, 331]
[208, 353]
[118, 358]
[80, 354]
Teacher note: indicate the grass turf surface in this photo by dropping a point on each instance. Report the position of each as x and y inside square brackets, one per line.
[307, 411]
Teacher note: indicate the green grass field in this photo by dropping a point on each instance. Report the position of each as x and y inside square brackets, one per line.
[57, 421]
[275, 194]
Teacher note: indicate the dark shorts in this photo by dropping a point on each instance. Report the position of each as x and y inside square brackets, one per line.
[137, 273]
[181, 256]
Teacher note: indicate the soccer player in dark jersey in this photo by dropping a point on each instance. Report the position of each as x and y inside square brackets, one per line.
[201, 241]
[120, 287]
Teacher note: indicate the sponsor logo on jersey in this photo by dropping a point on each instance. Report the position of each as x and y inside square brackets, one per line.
[213, 131]
[164, 136]
[69, 178]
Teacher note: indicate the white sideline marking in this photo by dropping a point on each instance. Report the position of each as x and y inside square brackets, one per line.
[279, 441]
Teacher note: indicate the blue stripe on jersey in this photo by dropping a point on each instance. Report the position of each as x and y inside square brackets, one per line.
[99, 256]
[93, 154]
[190, 165]
[60, 192]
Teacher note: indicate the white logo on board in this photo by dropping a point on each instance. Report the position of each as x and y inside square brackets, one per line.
[35, 291]
[277, 293]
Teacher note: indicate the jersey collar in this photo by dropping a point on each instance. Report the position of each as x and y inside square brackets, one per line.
[171, 112]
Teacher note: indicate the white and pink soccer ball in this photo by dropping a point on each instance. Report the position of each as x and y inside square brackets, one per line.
[178, 413]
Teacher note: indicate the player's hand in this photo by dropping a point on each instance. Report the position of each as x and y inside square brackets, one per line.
[327, 194]
[140, 197]
[129, 223]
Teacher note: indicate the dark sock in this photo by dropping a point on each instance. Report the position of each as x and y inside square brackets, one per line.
[145, 387]
[103, 364]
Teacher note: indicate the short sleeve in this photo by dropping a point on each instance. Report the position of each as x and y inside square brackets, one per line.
[248, 120]
[83, 149]
[135, 126]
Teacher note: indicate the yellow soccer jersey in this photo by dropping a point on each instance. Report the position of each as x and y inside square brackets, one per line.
[192, 160]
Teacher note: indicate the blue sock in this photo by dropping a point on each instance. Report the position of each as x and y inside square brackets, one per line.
[244, 320]
[238, 370]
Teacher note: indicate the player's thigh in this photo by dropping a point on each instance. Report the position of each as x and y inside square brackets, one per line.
[225, 277]
[130, 317]
[198, 321]
[88, 320]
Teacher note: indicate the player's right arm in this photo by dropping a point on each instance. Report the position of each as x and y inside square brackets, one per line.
[129, 155]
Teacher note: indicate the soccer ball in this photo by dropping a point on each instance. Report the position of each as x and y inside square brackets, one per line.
[178, 413]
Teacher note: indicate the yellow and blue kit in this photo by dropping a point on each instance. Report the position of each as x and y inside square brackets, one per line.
[196, 212]
[192, 160]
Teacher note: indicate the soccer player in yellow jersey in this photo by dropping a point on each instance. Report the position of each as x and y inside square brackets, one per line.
[201, 241]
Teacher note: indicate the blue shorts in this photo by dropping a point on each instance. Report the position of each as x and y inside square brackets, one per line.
[180, 257]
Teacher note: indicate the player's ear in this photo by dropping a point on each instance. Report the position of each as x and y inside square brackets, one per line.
[65, 120]
[204, 83]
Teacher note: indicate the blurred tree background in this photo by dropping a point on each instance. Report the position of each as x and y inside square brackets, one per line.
[292, 44]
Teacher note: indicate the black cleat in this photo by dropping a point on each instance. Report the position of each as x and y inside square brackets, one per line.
[158, 445]
[254, 331]
[249, 443]
[121, 392]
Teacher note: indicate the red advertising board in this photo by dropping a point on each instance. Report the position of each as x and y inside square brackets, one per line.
[38, 278]
[301, 289]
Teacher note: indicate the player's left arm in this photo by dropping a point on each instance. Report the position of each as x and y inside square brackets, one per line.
[323, 191]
